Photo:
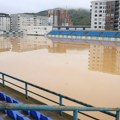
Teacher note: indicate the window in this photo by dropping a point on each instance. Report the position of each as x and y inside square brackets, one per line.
[95, 26]
[67, 28]
[95, 19]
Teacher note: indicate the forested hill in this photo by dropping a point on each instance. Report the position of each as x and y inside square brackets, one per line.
[79, 16]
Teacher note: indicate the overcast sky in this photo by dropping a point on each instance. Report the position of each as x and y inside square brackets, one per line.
[19, 6]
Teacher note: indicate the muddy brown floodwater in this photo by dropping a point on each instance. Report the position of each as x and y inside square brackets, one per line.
[86, 72]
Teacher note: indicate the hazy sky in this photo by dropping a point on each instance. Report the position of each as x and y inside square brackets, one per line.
[19, 6]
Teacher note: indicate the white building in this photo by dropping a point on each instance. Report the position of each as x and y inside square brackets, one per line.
[98, 15]
[105, 15]
[4, 22]
[30, 24]
[38, 30]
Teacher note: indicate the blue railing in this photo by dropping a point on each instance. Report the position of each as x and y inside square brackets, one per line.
[76, 110]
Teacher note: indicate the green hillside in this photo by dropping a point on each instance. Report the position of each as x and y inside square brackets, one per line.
[79, 16]
[43, 13]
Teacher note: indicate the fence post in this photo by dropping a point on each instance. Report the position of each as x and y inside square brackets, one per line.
[117, 115]
[26, 90]
[60, 103]
[3, 80]
[75, 115]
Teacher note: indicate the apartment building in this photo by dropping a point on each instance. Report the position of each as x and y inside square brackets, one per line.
[98, 15]
[28, 22]
[4, 22]
[59, 17]
[105, 15]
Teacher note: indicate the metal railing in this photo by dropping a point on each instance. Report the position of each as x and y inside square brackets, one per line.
[60, 96]
[8, 106]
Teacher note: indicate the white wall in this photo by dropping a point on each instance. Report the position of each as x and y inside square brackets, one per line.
[98, 15]
[21, 21]
[38, 30]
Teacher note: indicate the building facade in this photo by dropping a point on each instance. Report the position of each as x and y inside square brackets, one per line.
[98, 15]
[4, 22]
[105, 15]
[59, 17]
[27, 22]
[38, 30]
[110, 10]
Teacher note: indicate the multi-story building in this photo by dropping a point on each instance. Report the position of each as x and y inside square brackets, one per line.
[98, 15]
[119, 16]
[105, 15]
[59, 17]
[4, 22]
[28, 22]
[110, 10]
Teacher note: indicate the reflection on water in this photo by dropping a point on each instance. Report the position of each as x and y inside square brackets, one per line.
[23, 44]
[64, 47]
[105, 58]
[4, 45]
[88, 71]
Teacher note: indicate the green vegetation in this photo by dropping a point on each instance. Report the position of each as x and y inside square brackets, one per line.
[80, 16]
[43, 13]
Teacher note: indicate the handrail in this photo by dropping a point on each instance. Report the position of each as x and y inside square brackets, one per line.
[10, 106]
[75, 109]
[61, 97]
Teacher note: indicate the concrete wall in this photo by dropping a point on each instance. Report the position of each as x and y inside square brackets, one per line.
[38, 30]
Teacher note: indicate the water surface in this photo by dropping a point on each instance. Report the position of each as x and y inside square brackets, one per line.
[88, 72]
